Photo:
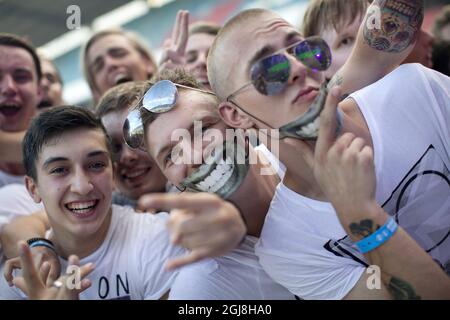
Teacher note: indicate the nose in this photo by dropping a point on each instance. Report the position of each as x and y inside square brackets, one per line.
[128, 156]
[298, 70]
[81, 183]
[201, 61]
[8, 86]
[45, 84]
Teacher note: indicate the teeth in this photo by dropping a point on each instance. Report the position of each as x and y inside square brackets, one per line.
[80, 206]
[217, 178]
[135, 174]
[120, 78]
[311, 128]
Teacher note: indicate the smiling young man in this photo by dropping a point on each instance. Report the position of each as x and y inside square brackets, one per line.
[68, 162]
[136, 173]
[20, 93]
[310, 259]
[237, 274]
[111, 57]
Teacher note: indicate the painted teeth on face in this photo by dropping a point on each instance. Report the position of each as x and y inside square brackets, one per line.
[223, 177]
[217, 178]
[311, 129]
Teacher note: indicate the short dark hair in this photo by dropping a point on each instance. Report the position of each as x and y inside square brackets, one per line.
[11, 40]
[53, 123]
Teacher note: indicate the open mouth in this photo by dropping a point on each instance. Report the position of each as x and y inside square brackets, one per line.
[122, 78]
[10, 110]
[44, 104]
[82, 209]
[224, 175]
[135, 175]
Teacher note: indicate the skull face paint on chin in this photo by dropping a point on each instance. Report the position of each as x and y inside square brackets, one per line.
[222, 173]
[306, 127]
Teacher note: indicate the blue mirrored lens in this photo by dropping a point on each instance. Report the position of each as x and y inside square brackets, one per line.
[270, 75]
[314, 53]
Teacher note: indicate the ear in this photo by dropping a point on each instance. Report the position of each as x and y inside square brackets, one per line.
[234, 117]
[32, 189]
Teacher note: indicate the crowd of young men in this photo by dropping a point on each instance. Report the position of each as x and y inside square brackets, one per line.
[304, 211]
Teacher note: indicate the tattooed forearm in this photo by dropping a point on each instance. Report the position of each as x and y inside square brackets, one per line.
[364, 228]
[392, 25]
[402, 290]
[337, 80]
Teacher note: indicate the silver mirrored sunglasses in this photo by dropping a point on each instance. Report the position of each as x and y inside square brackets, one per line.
[160, 98]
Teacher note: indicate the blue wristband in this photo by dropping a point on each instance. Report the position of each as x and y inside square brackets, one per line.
[40, 243]
[379, 237]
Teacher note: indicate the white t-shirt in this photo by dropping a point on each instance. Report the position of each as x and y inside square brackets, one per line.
[130, 262]
[16, 201]
[408, 115]
[6, 178]
[304, 247]
[235, 276]
[297, 249]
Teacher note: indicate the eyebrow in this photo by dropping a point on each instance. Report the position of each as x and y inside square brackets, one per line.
[92, 154]
[269, 49]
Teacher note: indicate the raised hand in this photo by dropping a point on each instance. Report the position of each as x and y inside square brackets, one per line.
[174, 48]
[41, 256]
[201, 222]
[32, 282]
[344, 165]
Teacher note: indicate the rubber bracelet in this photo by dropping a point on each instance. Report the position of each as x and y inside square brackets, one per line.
[379, 237]
[40, 243]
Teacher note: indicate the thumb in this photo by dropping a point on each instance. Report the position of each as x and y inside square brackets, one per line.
[328, 123]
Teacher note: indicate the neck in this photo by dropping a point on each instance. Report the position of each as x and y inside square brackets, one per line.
[253, 197]
[67, 243]
[15, 169]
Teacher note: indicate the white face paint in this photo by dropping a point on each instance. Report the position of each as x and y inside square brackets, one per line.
[223, 175]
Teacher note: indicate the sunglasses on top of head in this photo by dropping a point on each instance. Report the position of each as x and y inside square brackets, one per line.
[160, 98]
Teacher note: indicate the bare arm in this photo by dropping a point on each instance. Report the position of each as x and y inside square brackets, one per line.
[385, 38]
[23, 228]
[345, 171]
